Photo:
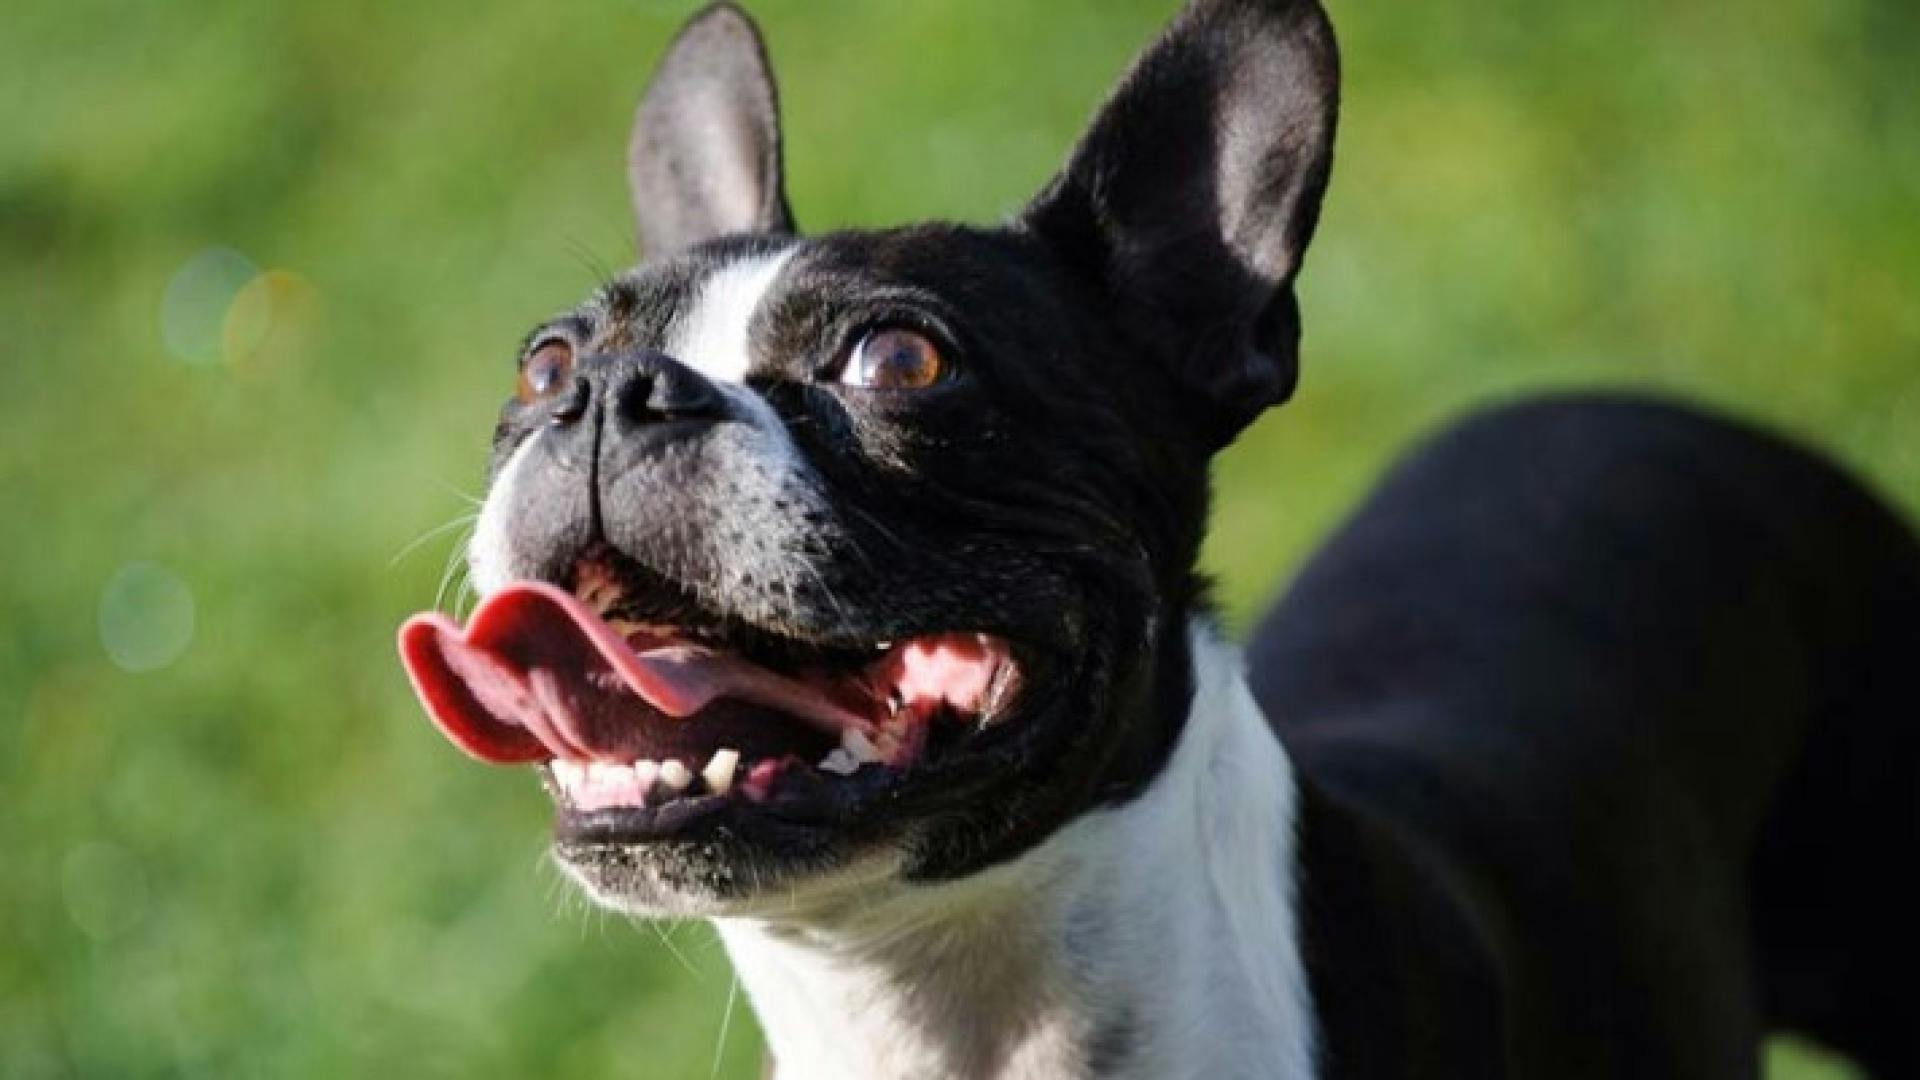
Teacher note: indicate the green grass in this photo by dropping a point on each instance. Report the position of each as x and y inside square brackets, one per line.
[253, 858]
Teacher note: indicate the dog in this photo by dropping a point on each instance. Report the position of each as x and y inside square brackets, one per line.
[842, 590]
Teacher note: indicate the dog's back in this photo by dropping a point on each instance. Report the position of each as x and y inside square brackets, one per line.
[1616, 705]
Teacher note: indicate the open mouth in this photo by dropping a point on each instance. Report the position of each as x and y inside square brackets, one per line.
[649, 716]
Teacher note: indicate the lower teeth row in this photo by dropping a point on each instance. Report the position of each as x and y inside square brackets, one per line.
[855, 750]
[671, 773]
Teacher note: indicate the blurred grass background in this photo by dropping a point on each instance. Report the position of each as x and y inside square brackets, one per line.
[262, 266]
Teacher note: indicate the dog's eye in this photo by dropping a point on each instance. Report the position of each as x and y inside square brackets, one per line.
[893, 359]
[546, 371]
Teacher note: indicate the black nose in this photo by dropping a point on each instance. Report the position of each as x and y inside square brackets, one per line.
[648, 389]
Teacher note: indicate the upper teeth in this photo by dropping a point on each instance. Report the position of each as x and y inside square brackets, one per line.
[839, 762]
[858, 745]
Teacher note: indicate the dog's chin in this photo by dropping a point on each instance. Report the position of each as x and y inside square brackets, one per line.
[729, 857]
[706, 879]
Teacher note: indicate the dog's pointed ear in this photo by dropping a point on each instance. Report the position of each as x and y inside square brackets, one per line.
[704, 156]
[1192, 197]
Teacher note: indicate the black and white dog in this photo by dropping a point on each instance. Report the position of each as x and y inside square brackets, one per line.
[842, 589]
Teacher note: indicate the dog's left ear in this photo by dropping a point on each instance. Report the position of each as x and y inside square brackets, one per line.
[1191, 198]
[704, 157]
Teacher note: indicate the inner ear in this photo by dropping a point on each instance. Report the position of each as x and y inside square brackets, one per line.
[704, 157]
[1193, 195]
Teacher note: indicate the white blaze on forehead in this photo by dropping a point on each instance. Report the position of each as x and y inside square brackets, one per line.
[711, 335]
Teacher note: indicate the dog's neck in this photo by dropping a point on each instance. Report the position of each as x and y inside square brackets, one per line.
[1151, 939]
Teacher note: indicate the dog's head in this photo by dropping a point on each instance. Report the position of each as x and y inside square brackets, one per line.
[868, 556]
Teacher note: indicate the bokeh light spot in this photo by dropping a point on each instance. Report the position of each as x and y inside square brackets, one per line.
[105, 888]
[146, 617]
[271, 321]
[193, 310]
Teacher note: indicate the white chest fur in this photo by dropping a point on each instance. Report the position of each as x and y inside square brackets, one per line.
[1153, 940]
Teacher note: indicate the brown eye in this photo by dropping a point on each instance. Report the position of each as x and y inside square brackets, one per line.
[893, 360]
[547, 371]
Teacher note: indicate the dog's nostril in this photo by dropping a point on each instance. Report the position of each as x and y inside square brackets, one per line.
[575, 405]
[664, 390]
[677, 392]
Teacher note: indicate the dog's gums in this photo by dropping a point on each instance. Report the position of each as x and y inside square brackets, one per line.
[650, 722]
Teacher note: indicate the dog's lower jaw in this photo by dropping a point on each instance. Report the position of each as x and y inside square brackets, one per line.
[1154, 939]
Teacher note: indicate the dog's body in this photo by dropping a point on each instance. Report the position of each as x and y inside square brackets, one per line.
[843, 589]
[1607, 733]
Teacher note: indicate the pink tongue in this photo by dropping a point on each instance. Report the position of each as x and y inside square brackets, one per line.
[491, 688]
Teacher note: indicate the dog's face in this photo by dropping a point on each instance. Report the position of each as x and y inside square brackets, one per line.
[811, 564]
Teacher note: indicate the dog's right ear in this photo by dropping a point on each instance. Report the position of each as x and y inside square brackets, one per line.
[1190, 200]
[704, 157]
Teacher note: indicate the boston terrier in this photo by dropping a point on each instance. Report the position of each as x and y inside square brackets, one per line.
[842, 589]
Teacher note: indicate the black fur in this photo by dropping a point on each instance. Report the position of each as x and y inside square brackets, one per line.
[1606, 720]
[1195, 193]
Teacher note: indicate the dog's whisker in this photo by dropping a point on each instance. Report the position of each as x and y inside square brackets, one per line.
[583, 253]
[459, 492]
[438, 530]
[455, 565]
[877, 526]
[672, 949]
[464, 594]
[726, 1024]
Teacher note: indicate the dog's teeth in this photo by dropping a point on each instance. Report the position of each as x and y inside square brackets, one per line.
[997, 681]
[858, 745]
[839, 762]
[719, 771]
[675, 775]
[570, 774]
[606, 774]
[646, 774]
